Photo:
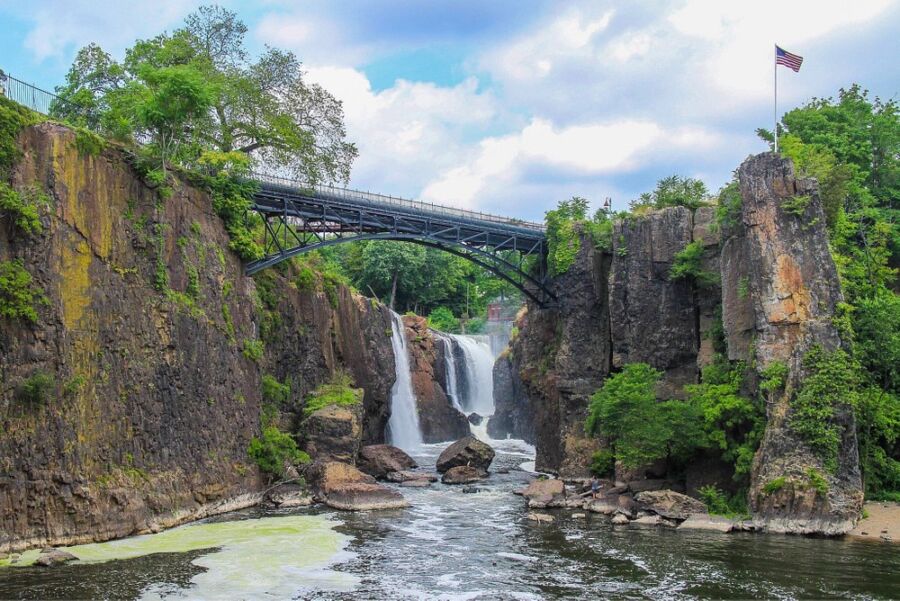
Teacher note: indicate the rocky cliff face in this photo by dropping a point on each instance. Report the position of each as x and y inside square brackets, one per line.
[558, 359]
[149, 399]
[795, 290]
[778, 295]
[439, 421]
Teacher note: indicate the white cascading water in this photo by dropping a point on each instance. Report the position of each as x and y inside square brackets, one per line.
[403, 426]
[479, 368]
[450, 368]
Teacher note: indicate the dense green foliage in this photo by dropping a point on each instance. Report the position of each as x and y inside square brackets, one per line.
[831, 382]
[18, 293]
[13, 118]
[673, 191]
[441, 318]
[639, 428]
[339, 391]
[688, 264]
[197, 89]
[274, 391]
[878, 430]
[417, 278]
[20, 209]
[565, 225]
[274, 450]
[728, 422]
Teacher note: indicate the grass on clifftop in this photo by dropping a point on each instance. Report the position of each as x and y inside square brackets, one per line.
[339, 391]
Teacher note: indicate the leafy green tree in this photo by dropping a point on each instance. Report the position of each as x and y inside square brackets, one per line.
[263, 108]
[640, 428]
[442, 318]
[166, 102]
[673, 191]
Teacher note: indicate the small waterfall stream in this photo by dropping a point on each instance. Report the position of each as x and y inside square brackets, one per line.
[403, 425]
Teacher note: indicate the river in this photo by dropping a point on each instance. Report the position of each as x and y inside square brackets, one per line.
[452, 544]
[457, 543]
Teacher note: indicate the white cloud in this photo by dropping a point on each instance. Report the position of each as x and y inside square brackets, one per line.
[408, 132]
[589, 150]
[537, 52]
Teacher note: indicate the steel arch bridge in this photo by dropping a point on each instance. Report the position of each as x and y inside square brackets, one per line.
[300, 218]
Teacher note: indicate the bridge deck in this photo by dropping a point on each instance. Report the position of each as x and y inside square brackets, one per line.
[367, 212]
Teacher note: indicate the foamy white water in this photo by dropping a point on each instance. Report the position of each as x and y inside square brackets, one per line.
[403, 425]
[479, 370]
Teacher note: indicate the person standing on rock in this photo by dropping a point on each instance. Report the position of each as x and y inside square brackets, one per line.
[595, 487]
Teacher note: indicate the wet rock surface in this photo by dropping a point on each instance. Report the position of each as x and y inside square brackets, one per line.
[53, 557]
[342, 486]
[463, 474]
[381, 460]
[670, 504]
[468, 451]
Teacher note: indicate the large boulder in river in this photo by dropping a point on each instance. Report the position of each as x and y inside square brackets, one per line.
[342, 486]
[463, 474]
[669, 504]
[379, 460]
[53, 557]
[466, 451]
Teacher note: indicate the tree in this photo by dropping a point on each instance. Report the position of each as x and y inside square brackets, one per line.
[165, 102]
[673, 191]
[640, 428]
[263, 108]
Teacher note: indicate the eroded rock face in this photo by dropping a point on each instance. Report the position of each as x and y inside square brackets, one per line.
[334, 432]
[795, 290]
[653, 317]
[514, 414]
[342, 486]
[439, 420]
[468, 451]
[382, 459]
[154, 402]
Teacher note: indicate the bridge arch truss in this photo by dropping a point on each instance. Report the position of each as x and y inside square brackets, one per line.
[302, 219]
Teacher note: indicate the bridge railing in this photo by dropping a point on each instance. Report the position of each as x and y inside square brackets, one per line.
[394, 201]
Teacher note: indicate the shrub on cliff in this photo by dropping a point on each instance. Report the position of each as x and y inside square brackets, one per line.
[688, 264]
[565, 225]
[18, 293]
[673, 191]
[274, 450]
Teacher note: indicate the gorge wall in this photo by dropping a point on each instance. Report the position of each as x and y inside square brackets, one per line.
[777, 298]
[150, 348]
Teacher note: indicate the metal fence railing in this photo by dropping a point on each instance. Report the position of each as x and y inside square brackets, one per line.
[37, 99]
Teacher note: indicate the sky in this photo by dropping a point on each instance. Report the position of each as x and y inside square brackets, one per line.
[509, 106]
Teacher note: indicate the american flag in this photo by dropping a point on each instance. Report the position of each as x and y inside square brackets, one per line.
[791, 61]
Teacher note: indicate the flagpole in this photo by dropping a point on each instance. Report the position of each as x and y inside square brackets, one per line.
[775, 109]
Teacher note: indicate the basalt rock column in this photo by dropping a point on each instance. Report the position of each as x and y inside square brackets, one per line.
[794, 287]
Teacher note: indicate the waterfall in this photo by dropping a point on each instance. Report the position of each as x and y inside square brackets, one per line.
[476, 370]
[403, 426]
[450, 369]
